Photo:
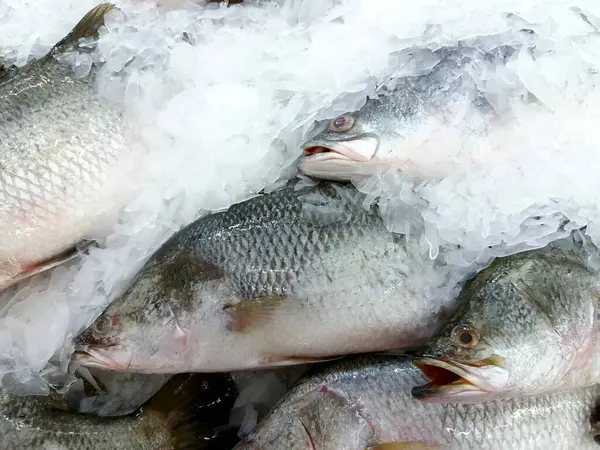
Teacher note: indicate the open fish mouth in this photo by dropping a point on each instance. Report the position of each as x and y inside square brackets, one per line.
[340, 160]
[361, 149]
[451, 380]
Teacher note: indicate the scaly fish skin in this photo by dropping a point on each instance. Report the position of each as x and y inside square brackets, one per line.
[528, 324]
[405, 125]
[64, 158]
[366, 402]
[190, 412]
[27, 424]
[283, 278]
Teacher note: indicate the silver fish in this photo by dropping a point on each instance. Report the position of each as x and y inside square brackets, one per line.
[387, 131]
[528, 324]
[365, 403]
[65, 161]
[294, 276]
[191, 413]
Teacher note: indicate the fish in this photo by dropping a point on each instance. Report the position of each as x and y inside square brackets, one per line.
[66, 159]
[527, 324]
[190, 412]
[366, 403]
[302, 274]
[402, 126]
[120, 394]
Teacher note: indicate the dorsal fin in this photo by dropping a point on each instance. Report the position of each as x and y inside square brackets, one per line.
[87, 27]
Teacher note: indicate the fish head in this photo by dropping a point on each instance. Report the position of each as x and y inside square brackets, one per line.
[351, 144]
[318, 419]
[142, 329]
[292, 435]
[125, 338]
[502, 341]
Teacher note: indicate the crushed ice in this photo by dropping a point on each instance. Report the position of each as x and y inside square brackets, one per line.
[224, 97]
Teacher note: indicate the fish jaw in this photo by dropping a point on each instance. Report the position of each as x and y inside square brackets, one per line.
[338, 160]
[109, 359]
[457, 382]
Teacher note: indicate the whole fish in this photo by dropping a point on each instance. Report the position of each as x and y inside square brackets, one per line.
[294, 276]
[191, 412]
[64, 158]
[404, 125]
[365, 403]
[528, 324]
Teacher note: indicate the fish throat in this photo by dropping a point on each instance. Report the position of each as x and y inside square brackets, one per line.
[440, 376]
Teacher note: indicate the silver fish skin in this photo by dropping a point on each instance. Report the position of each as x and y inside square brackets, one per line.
[528, 324]
[289, 277]
[65, 159]
[366, 403]
[190, 413]
[406, 123]
[25, 424]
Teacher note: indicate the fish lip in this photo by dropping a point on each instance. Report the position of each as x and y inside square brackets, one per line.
[337, 150]
[339, 163]
[465, 381]
[92, 358]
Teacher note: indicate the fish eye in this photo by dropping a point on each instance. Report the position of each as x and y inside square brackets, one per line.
[102, 326]
[341, 123]
[465, 337]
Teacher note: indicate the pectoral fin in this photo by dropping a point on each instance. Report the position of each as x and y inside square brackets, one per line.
[252, 313]
[18, 274]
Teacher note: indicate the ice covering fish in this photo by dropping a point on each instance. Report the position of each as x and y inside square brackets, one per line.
[63, 157]
[365, 402]
[190, 412]
[404, 124]
[296, 275]
[528, 324]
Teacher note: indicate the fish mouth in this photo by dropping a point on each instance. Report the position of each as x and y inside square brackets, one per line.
[96, 358]
[459, 381]
[359, 149]
[340, 160]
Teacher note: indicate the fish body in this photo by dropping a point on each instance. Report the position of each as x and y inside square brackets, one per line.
[409, 124]
[366, 403]
[284, 278]
[64, 158]
[188, 413]
[528, 324]
[26, 425]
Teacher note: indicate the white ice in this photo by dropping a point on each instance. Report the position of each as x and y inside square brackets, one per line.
[225, 109]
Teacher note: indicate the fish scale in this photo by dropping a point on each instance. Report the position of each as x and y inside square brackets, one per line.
[65, 163]
[533, 321]
[304, 274]
[189, 412]
[377, 390]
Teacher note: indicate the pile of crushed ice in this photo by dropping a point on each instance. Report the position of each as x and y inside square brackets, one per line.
[224, 96]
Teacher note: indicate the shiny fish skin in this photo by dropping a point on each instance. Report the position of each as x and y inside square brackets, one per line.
[531, 325]
[324, 274]
[26, 424]
[406, 124]
[190, 413]
[366, 401]
[63, 161]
